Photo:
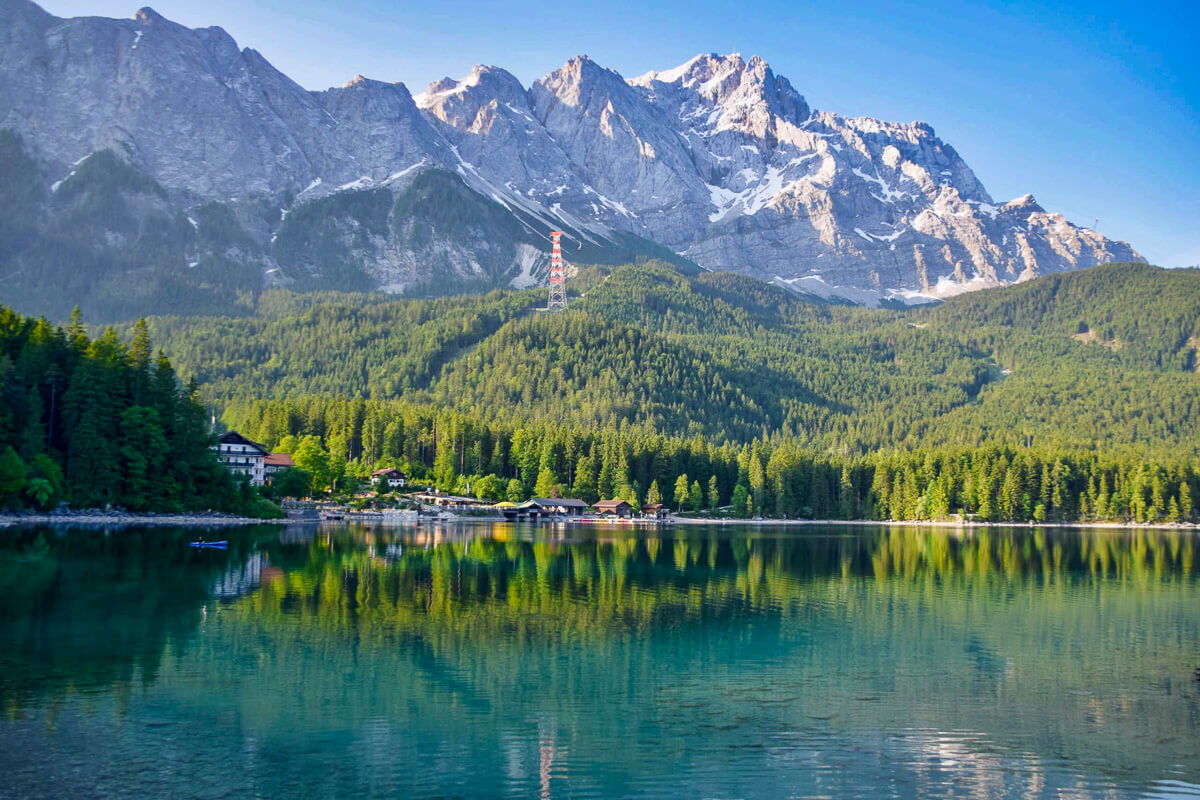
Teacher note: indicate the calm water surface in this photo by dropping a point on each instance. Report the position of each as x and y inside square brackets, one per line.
[510, 661]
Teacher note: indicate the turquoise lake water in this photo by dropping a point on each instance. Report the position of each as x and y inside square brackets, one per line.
[514, 661]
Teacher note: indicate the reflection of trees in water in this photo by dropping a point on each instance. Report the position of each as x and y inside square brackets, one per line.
[87, 609]
[983, 632]
[636, 580]
[862, 629]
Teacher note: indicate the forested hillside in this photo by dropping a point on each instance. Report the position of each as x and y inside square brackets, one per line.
[1101, 359]
[1136, 315]
[705, 391]
[1105, 357]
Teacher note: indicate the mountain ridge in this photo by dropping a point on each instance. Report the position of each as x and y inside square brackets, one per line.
[718, 160]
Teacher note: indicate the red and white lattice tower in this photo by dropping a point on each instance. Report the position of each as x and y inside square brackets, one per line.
[558, 276]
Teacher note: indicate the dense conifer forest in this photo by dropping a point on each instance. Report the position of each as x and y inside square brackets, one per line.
[720, 391]
[100, 423]
[333, 438]
[1071, 397]
[1103, 359]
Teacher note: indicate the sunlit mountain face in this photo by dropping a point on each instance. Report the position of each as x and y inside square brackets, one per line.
[150, 167]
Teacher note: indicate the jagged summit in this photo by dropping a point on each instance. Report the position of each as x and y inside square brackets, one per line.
[718, 159]
[20, 14]
[574, 82]
[361, 82]
[493, 80]
[731, 81]
[1026, 202]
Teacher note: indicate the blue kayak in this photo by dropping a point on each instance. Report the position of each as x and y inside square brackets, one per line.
[212, 545]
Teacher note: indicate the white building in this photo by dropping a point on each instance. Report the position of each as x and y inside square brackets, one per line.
[394, 477]
[242, 457]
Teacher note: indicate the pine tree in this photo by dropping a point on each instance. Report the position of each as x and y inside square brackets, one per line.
[740, 501]
[847, 499]
[140, 353]
[547, 484]
[1173, 510]
[143, 450]
[584, 487]
[1010, 499]
[680, 495]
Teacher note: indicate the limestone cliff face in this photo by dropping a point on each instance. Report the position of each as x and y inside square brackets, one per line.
[192, 109]
[725, 162]
[719, 160]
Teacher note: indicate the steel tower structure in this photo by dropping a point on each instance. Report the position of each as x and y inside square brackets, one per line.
[558, 277]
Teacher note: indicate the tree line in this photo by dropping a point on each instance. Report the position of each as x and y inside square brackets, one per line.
[97, 422]
[341, 440]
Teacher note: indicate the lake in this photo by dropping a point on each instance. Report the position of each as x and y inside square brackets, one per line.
[518, 661]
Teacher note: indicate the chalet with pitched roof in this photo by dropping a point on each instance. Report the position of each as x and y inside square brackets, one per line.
[242, 457]
[655, 511]
[394, 478]
[614, 508]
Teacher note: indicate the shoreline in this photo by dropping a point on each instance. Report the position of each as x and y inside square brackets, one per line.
[102, 518]
[1178, 526]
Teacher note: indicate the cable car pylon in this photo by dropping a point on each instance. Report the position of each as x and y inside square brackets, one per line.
[557, 298]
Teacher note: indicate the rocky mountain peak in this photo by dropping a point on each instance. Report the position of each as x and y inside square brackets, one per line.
[1025, 202]
[576, 82]
[726, 92]
[718, 159]
[24, 8]
[484, 84]
[23, 18]
[445, 84]
[148, 16]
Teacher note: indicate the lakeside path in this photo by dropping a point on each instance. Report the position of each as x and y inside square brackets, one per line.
[122, 518]
[1169, 526]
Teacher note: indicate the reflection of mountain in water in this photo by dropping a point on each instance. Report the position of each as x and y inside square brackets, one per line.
[903, 651]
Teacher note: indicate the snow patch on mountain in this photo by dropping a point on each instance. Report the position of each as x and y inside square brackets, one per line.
[528, 258]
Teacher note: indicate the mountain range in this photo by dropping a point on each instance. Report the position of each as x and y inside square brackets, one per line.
[146, 166]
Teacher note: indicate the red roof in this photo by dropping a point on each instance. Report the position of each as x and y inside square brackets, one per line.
[278, 460]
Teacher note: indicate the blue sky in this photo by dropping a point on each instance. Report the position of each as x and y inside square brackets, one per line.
[1092, 107]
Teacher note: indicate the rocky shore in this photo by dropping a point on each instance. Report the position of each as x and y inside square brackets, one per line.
[102, 517]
